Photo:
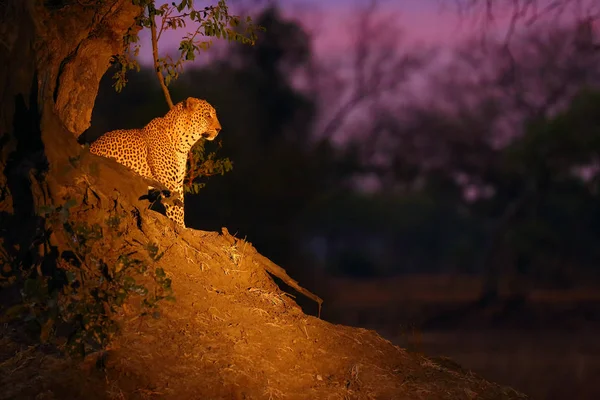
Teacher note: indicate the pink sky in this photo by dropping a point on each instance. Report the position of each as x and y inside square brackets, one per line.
[427, 22]
[422, 21]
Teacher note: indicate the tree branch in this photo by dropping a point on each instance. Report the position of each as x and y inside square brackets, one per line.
[377, 67]
[157, 68]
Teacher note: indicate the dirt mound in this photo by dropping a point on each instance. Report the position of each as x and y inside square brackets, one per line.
[231, 332]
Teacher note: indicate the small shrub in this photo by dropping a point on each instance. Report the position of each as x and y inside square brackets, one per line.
[72, 297]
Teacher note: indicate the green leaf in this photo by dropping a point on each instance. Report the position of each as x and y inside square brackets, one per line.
[159, 256]
[166, 283]
[70, 203]
[70, 277]
[46, 209]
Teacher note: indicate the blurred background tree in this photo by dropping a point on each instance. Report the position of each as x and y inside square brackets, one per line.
[346, 169]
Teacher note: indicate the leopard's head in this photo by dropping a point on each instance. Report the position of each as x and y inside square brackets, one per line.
[200, 121]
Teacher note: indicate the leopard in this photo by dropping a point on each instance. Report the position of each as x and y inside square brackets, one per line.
[159, 151]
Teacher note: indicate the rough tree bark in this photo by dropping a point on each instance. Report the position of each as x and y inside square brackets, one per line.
[52, 56]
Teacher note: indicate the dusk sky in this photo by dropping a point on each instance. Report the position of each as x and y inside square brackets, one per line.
[433, 22]
[422, 21]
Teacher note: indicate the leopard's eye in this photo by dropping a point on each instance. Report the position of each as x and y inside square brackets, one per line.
[207, 114]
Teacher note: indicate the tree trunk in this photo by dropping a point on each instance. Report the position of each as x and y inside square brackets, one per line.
[52, 56]
[56, 55]
[491, 261]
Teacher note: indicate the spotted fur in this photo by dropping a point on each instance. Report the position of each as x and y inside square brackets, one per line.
[159, 151]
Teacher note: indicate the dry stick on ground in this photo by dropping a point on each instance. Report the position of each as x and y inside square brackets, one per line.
[281, 273]
[274, 269]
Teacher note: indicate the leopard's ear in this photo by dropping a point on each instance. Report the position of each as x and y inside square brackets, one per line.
[192, 104]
